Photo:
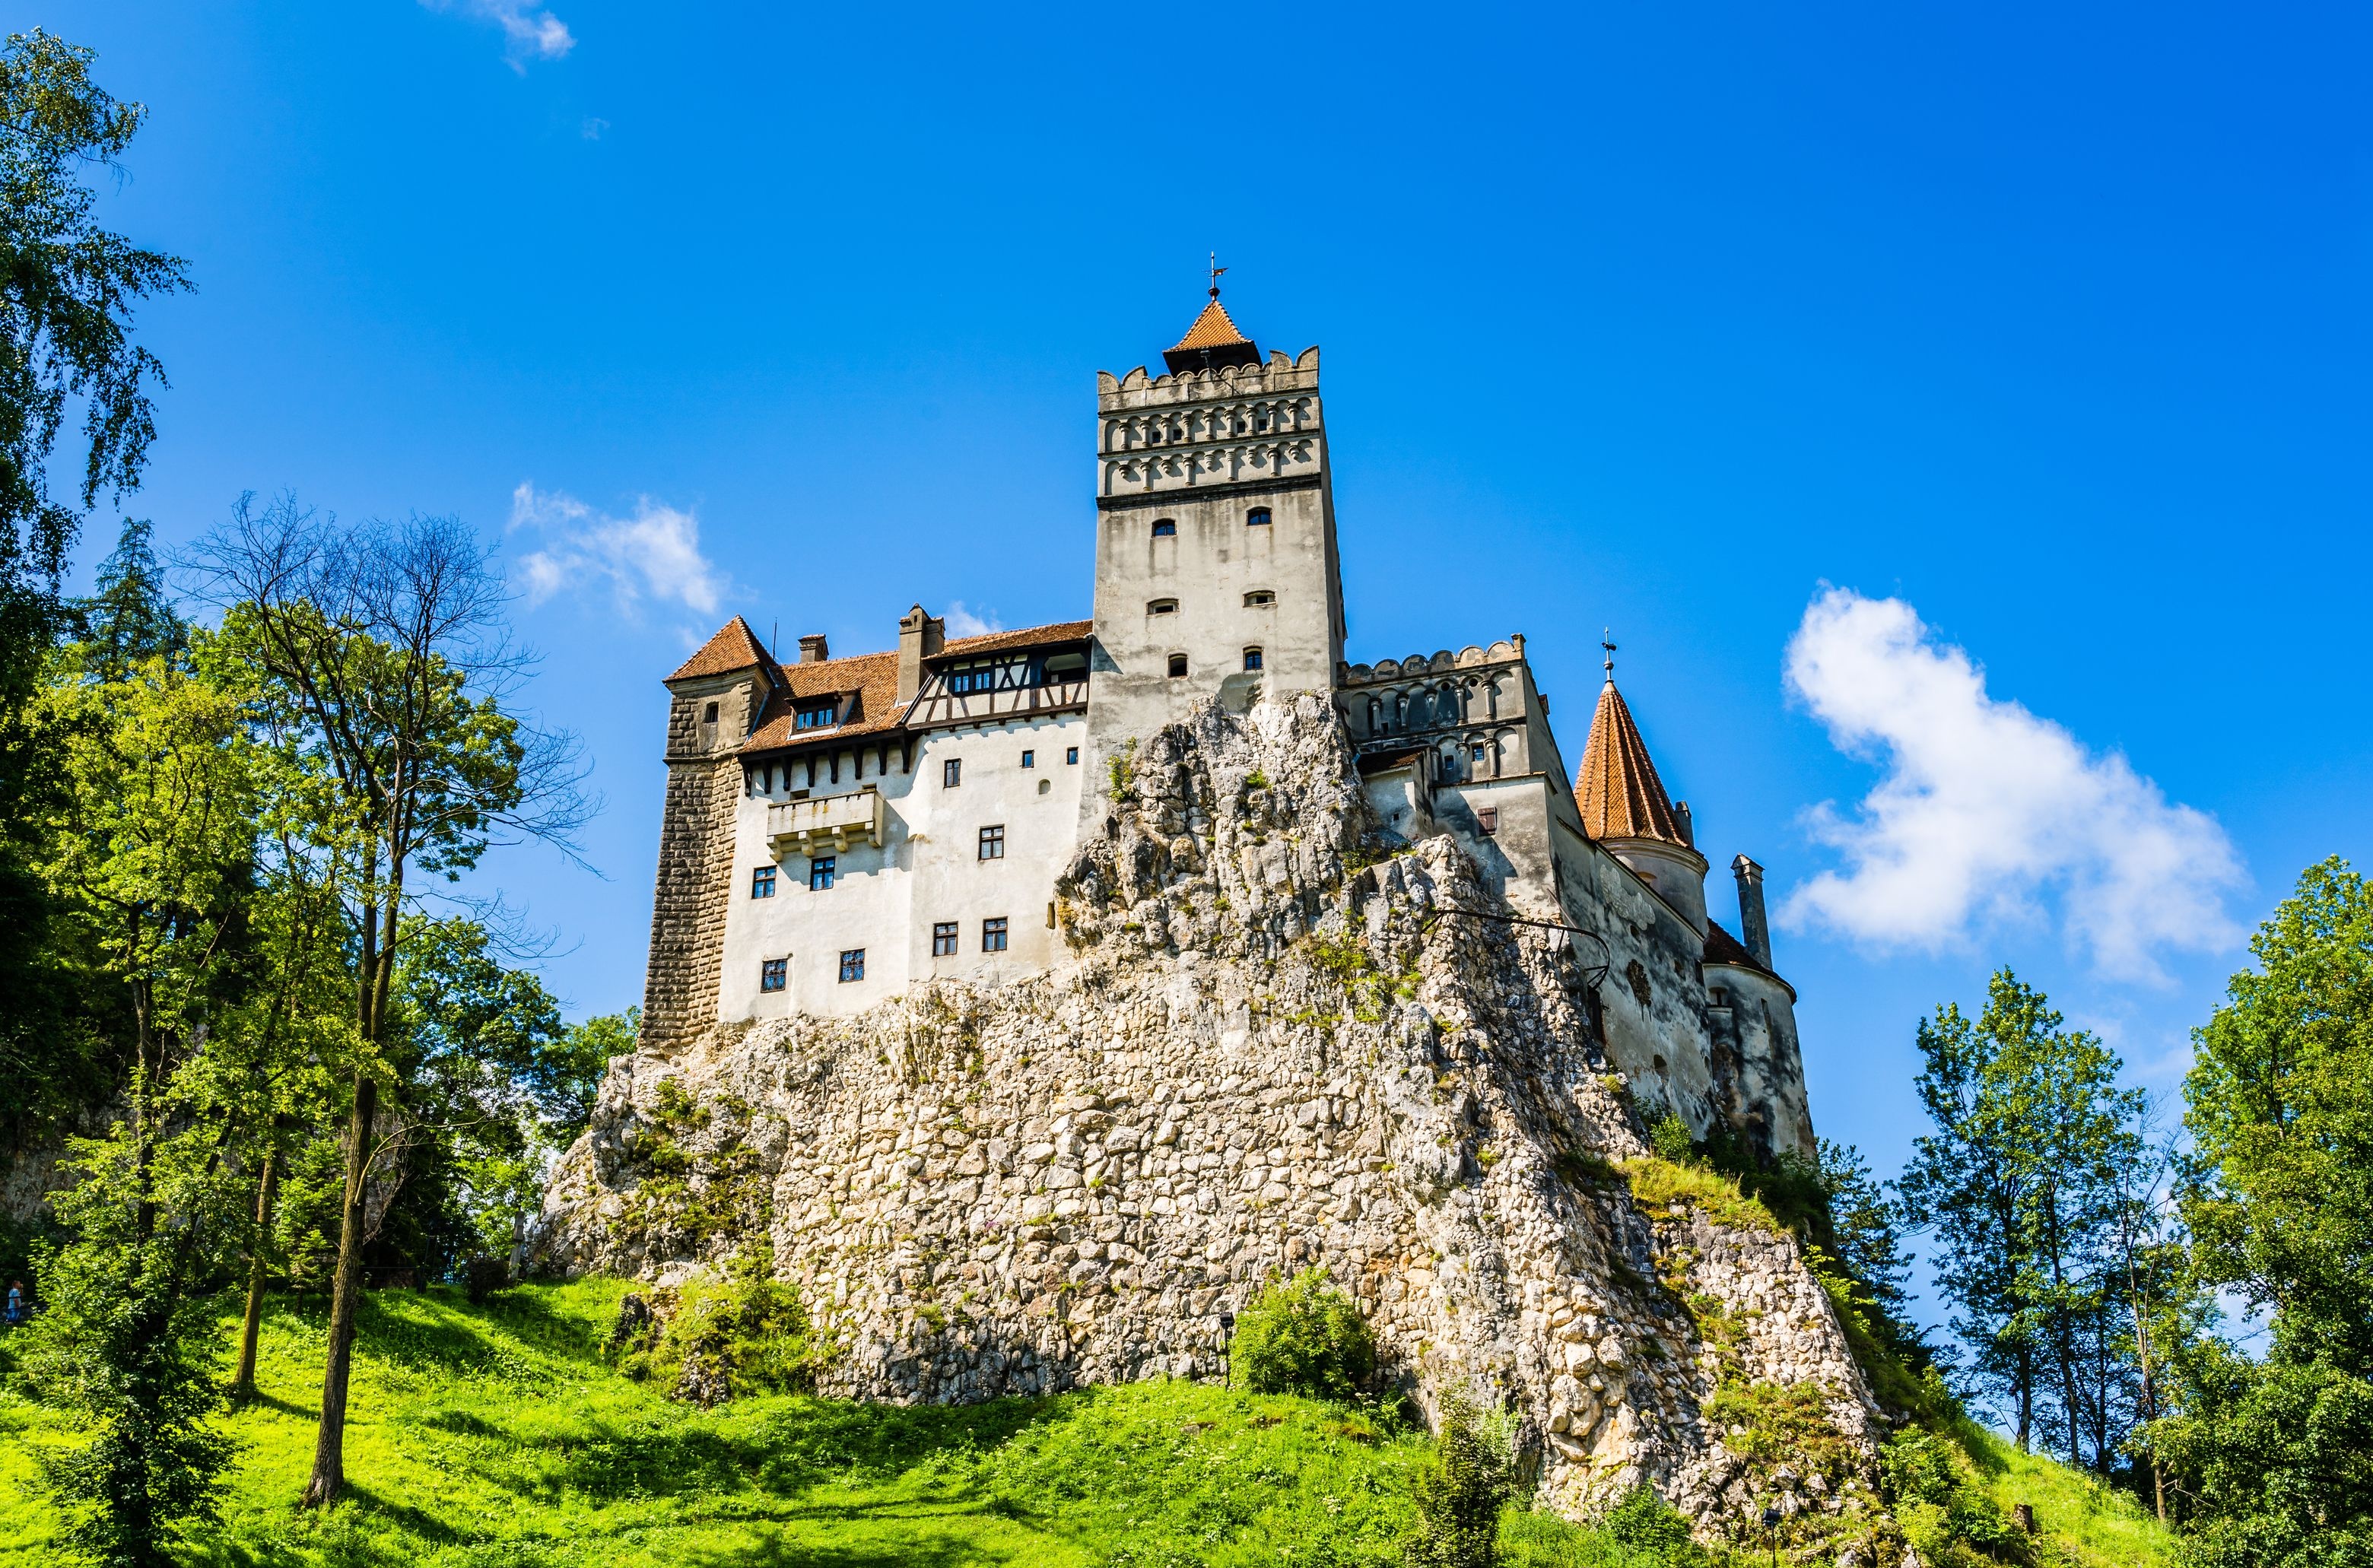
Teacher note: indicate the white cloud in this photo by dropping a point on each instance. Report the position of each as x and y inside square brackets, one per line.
[528, 33]
[592, 127]
[654, 554]
[961, 622]
[1984, 807]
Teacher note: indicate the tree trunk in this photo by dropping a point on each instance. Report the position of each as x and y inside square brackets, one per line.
[329, 1446]
[243, 1388]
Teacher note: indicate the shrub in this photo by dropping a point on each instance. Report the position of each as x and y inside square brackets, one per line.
[1938, 1503]
[1645, 1522]
[1459, 1495]
[1670, 1138]
[744, 1333]
[1302, 1336]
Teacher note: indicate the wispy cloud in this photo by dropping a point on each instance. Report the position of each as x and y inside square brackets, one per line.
[592, 127]
[962, 622]
[529, 32]
[653, 554]
[1984, 808]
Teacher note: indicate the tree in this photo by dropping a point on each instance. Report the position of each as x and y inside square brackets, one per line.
[2278, 1452]
[2035, 1146]
[388, 650]
[1866, 1225]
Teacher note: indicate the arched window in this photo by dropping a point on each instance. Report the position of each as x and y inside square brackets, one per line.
[1257, 518]
[1165, 528]
[1177, 665]
[1252, 659]
[1162, 607]
[1259, 598]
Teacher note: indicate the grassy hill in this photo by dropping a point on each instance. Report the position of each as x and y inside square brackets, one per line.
[498, 1438]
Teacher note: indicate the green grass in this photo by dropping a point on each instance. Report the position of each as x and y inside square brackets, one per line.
[1661, 1186]
[498, 1435]
[2093, 1526]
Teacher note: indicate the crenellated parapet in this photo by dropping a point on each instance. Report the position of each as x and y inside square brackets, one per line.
[1232, 426]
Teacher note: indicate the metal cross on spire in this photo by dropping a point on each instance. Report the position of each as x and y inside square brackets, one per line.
[1606, 641]
[1216, 269]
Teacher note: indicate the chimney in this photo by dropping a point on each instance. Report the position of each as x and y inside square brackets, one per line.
[1753, 928]
[920, 638]
[814, 649]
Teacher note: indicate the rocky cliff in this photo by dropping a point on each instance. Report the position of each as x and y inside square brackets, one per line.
[1275, 1047]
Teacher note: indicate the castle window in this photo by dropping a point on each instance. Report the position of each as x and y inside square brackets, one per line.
[1259, 598]
[852, 965]
[1257, 518]
[952, 773]
[821, 872]
[1177, 665]
[992, 935]
[1029, 759]
[708, 714]
[817, 715]
[993, 843]
[1165, 528]
[944, 939]
[762, 882]
[1162, 607]
[1487, 819]
[772, 973]
[1252, 659]
[1071, 756]
[1475, 756]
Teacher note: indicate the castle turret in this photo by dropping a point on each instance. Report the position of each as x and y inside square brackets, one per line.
[1216, 568]
[714, 699]
[1624, 807]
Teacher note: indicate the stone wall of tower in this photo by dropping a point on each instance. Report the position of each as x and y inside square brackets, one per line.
[1185, 463]
[696, 866]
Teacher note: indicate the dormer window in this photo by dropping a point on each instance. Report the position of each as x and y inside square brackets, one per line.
[1162, 607]
[1257, 518]
[822, 715]
[1165, 528]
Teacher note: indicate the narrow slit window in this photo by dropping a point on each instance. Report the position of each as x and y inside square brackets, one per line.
[1071, 756]
[992, 935]
[1177, 665]
[852, 965]
[1251, 658]
[944, 939]
[821, 872]
[992, 842]
[952, 773]
[773, 974]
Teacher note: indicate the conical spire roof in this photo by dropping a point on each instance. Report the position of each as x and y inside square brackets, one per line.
[1211, 342]
[736, 646]
[1620, 795]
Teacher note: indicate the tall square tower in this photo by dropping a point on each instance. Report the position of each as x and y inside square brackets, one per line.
[1216, 563]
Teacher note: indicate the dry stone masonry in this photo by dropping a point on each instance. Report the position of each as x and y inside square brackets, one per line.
[1279, 1039]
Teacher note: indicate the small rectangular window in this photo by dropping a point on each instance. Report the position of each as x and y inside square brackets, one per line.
[992, 935]
[1257, 518]
[852, 965]
[1259, 598]
[993, 843]
[1165, 528]
[1177, 665]
[952, 773]
[762, 882]
[1029, 759]
[1162, 607]
[817, 716]
[1071, 755]
[708, 714]
[944, 939]
[821, 872]
[772, 973]
[1252, 659]
[1488, 818]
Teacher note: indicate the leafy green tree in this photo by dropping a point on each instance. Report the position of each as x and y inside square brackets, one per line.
[1866, 1228]
[1302, 1336]
[388, 650]
[2276, 1453]
[1459, 1495]
[2033, 1145]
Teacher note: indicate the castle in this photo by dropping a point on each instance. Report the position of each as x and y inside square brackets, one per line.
[837, 830]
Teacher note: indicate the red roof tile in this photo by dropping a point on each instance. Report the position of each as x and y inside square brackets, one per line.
[1620, 795]
[736, 646]
[869, 685]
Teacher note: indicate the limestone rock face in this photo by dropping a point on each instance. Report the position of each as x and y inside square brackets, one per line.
[1270, 1050]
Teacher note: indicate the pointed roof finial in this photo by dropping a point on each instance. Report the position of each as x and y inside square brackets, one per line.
[1216, 269]
[1213, 341]
[1606, 641]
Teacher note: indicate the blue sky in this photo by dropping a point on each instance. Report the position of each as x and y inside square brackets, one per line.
[2048, 327]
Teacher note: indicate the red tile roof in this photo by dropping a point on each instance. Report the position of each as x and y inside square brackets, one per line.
[1620, 795]
[868, 683]
[736, 646]
[1213, 329]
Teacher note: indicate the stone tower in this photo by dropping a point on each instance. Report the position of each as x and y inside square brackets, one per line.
[1216, 565]
[714, 701]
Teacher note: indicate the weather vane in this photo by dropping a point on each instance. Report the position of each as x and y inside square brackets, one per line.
[1216, 269]
[1606, 641]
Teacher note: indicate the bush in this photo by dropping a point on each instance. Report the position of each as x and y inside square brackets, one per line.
[1671, 1140]
[1460, 1495]
[1304, 1337]
[1645, 1522]
[1938, 1501]
[744, 1334]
